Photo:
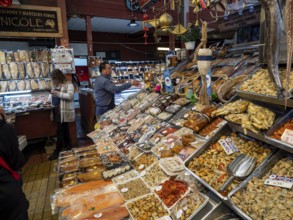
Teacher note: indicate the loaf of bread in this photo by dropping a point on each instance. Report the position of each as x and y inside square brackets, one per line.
[21, 85]
[13, 70]
[37, 70]
[21, 70]
[29, 70]
[3, 86]
[34, 84]
[6, 71]
[45, 69]
[12, 85]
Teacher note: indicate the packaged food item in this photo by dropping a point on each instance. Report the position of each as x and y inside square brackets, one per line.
[90, 176]
[109, 174]
[9, 57]
[42, 84]
[21, 85]
[154, 175]
[171, 191]
[6, 71]
[29, 70]
[181, 101]
[24, 56]
[172, 164]
[172, 109]
[2, 57]
[187, 139]
[125, 177]
[21, 70]
[13, 70]
[156, 138]
[34, 84]
[12, 85]
[154, 111]
[197, 124]
[143, 161]
[16, 56]
[164, 116]
[133, 188]
[167, 130]
[37, 70]
[148, 207]
[3, 86]
[45, 69]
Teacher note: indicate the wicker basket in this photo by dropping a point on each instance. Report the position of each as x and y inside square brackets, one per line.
[228, 86]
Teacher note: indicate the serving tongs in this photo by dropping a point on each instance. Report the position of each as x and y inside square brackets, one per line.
[240, 168]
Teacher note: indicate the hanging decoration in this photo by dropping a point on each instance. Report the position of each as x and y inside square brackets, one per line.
[145, 28]
[5, 3]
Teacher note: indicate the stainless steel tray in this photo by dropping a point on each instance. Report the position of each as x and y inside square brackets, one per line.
[223, 131]
[278, 143]
[262, 98]
[259, 172]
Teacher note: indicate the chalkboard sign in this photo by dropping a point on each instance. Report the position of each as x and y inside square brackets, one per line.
[30, 21]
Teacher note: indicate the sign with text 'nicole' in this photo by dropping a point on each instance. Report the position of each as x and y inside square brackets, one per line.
[30, 21]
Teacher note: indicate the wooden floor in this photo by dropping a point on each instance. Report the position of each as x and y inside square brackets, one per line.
[39, 176]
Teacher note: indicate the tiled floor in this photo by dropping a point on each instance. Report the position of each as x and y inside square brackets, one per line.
[39, 177]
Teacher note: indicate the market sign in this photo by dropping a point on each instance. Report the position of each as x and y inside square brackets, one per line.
[235, 21]
[30, 21]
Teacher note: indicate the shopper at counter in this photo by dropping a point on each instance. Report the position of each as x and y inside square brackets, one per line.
[13, 203]
[105, 90]
[63, 110]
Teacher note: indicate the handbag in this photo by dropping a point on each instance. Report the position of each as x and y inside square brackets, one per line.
[14, 174]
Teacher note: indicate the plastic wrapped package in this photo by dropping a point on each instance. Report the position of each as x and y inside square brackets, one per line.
[13, 70]
[172, 109]
[108, 174]
[156, 138]
[125, 177]
[181, 101]
[154, 111]
[197, 124]
[154, 175]
[164, 116]
[143, 161]
[90, 205]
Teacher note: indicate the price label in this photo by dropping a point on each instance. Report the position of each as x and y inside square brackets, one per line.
[98, 215]
[280, 181]
[186, 173]
[179, 213]
[124, 190]
[158, 188]
[228, 145]
[287, 136]
[143, 173]
[157, 140]
[161, 149]
[141, 166]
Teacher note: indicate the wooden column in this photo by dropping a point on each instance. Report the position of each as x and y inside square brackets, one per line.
[63, 41]
[172, 41]
[89, 36]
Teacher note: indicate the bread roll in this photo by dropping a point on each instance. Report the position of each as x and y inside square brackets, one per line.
[29, 70]
[16, 56]
[1, 72]
[45, 69]
[37, 70]
[42, 84]
[6, 71]
[34, 84]
[12, 85]
[2, 57]
[27, 85]
[3, 86]
[21, 85]
[13, 70]
[21, 70]
[44, 55]
[24, 56]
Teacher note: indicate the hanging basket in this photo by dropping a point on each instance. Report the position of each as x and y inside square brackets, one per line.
[190, 45]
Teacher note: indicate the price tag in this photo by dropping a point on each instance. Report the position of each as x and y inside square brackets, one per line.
[141, 166]
[161, 149]
[280, 181]
[142, 173]
[179, 213]
[287, 136]
[98, 215]
[156, 140]
[186, 173]
[228, 146]
[158, 188]
[124, 190]
[172, 145]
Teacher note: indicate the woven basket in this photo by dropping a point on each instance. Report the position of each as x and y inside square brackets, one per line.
[228, 86]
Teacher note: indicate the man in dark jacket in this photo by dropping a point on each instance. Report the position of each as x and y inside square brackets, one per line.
[105, 90]
[13, 203]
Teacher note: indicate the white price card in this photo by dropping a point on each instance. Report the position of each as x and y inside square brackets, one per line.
[98, 215]
[124, 190]
[280, 181]
[228, 145]
[287, 136]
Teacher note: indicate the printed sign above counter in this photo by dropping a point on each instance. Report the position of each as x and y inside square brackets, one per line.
[30, 21]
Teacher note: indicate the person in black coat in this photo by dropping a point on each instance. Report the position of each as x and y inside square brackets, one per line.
[13, 203]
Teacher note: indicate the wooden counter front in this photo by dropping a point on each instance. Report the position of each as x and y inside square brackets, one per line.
[37, 124]
[87, 111]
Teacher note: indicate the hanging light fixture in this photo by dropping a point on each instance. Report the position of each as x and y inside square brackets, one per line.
[132, 23]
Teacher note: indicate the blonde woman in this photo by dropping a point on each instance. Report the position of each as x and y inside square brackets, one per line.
[63, 109]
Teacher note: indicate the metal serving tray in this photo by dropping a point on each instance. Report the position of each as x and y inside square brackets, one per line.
[258, 173]
[261, 97]
[223, 131]
[278, 143]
